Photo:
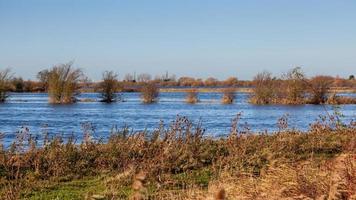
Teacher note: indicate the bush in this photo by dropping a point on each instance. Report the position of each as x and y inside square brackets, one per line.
[192, 96]
[228, 96]
[149, 93]
[294, 86]
[5, 78]
[63, 83]
[108, 87]
[318, 89]
[264, 91]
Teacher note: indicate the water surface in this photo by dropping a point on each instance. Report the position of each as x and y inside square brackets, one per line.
[33, 111]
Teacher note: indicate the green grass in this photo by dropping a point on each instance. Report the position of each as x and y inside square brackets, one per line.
[76, 189]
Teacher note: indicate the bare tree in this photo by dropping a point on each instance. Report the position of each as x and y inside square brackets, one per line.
[263, 91]
[108, 87]
[149, 93]
[192, 96]
[144, 77]
[228, 96]
[43, 77]
[294, 86]
[63, 83]
[5, 77]
[318, 88]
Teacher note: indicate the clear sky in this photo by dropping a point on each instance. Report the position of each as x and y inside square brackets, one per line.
[198, 38]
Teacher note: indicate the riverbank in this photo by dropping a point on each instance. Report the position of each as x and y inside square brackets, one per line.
[245, 89]
[181, 163]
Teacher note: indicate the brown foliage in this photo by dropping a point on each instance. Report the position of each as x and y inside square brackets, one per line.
[108, 87]
[228, 96]
[149, 93]
[318, 89]
[192, 96]
[63, 83]
[5, 77]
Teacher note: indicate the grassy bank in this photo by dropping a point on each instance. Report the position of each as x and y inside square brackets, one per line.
[179, 162]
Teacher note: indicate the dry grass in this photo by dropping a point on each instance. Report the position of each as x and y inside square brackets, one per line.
[179, 162]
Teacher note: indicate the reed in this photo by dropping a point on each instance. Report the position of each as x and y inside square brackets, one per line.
[180, 161]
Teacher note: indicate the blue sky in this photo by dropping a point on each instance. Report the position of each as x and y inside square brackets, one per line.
[198, 38]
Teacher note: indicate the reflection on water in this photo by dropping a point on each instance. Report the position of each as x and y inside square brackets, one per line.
[34, 112]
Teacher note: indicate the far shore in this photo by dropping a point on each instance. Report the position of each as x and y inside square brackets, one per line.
[243, 89]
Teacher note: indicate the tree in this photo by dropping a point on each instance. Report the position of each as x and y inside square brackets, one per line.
[144, 77]
[108, 87]
[231, 81]
[192, 96]
[264, 91]
[228, 96]
[149, 93]
[63, 83]
[210, 82]
[5, 77]
[18, 84]
[351, 77]
[43, 77]
[294, 85]
[318, 88]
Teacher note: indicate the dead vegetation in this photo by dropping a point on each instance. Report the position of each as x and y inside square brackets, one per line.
[5, 77]
[63, 83]
[180, 162]
[192, 96]
[228, 96]
[294, 88]
[149, 93]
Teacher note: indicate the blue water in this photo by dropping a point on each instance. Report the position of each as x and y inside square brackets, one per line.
[33, 111]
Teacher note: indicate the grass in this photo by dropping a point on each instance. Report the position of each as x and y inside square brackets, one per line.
[180, 162]
[74, 189]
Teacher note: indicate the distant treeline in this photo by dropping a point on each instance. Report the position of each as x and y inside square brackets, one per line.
[63, 82]
[130, 82]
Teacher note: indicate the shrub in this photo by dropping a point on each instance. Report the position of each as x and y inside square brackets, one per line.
[264, 91]
[43, 77]
[192, 96]
[63, 83]
[337, 100]
[318, 89]
[294, 86]
[149, 93]
[5, 78]
[228, 96]
[18, 85]
[108, 87]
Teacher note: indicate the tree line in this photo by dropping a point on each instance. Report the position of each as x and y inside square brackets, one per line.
[63, 83]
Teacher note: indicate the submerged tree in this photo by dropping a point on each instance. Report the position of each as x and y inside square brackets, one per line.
[264, 91]
[294, 86]
[318, 89]
[192, 96]
[228, 96]
[149, 93]
[108, 87]
[63, 83]
[5, 77]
